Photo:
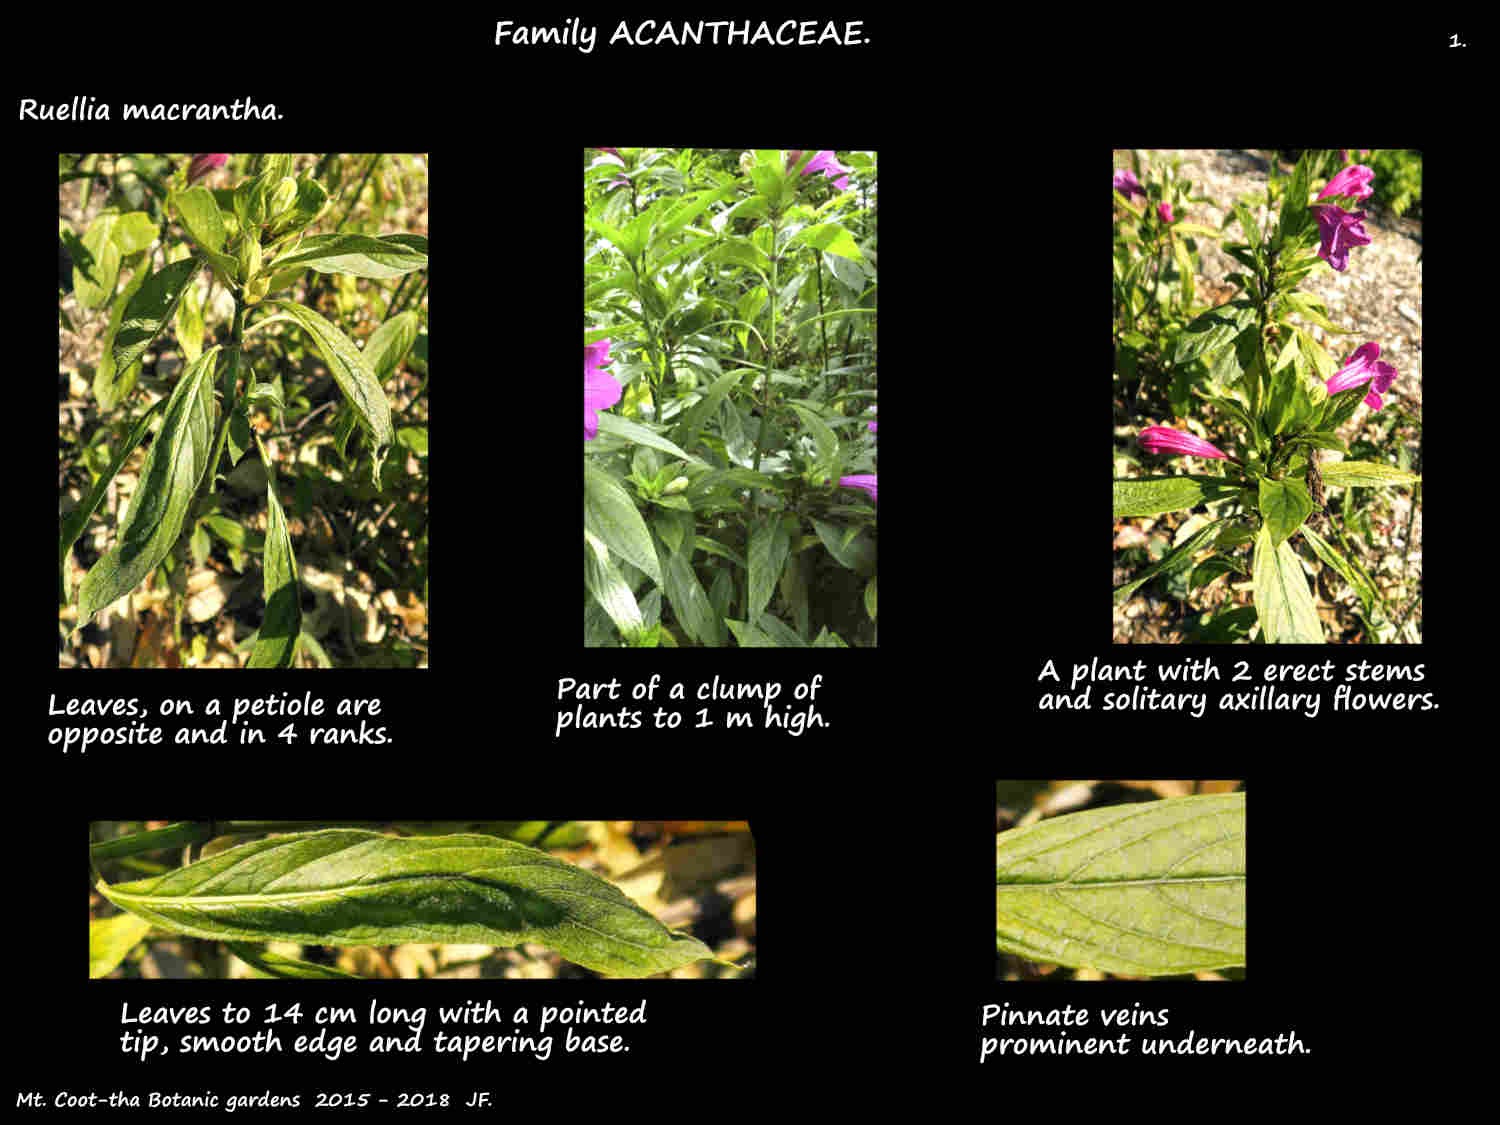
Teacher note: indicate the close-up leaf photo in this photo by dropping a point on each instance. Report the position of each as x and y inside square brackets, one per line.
[1100, 880]
[730, 394]
[329, 900]
[242, 410]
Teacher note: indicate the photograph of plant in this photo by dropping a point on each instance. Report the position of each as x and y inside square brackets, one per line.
[1096, 880]
[336, 900]
[242, 410]
[1267, 397]
[729, 387]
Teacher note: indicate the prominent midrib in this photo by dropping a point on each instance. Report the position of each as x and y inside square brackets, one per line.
[166, 903]
[259, 898]
[1107, 885]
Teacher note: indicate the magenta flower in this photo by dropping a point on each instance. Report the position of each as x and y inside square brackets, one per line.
[1164, 439]
[600, 390]
[860, 480]
[614, 159]
[872, 427]
[1340, 231]
[1353, 180]
[824, 162]
[613, 150]
[1362, 367]
[1127, 185]
[204, 163]
[1165, 211]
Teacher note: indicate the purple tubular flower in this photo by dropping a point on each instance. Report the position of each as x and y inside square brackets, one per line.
[1164, 439]
[1340, 231]
[860, 480]
[872, 427]
[1127, 185]
[1363, 367]
[824, 162]
[600, 390]
[204, 163]
[1165, 211]
[1353, 181]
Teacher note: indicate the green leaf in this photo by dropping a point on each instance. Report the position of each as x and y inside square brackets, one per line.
[276, 644]
[1150, 496]
[134, 232]
[205, 223]
[634, 431]
[350, 887]
[1354, 474]
[110, 939]
[150, 309]
[603, 580]
[1143, 889]
[174, 465]
[769, 546]
[690, 601]
[831, 237]
[1283, 601]
[359, 254]
[189, 324]
[858, 553]
[1284, 505]
[113, 385]
[93, 288]
[355, 379]
[73, 526]
[284, 968]
[611, 516]
[388, 344]
[1178, 557]
[1214, 330]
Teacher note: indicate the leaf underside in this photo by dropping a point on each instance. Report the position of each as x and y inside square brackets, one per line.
[350, 887]
[1141, 890]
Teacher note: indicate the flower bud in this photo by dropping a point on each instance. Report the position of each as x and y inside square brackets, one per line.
[257, 288]
[249, 256]
[204, 163]
[677, 485]
[250, 203]
[282, 198]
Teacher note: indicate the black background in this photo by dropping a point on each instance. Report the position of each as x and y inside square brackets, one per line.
[873, 836]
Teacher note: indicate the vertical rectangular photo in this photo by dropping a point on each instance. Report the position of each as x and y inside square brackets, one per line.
[243, 409]
[730, 398]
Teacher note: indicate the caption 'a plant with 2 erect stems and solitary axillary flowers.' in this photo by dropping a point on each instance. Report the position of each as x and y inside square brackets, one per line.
[1288, 403]
[682, 274]
[254, 240]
